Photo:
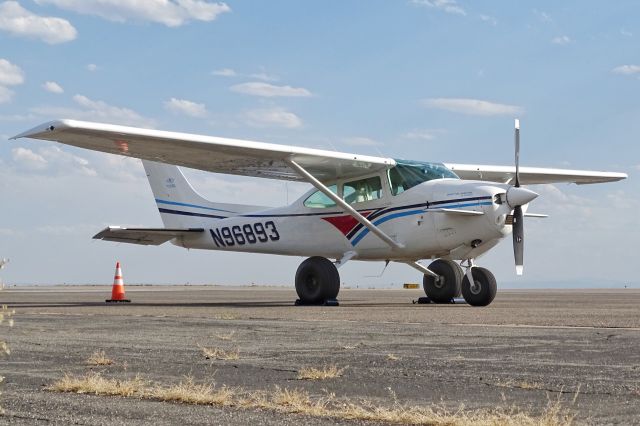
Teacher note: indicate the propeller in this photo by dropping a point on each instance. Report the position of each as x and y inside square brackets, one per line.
[516, 198]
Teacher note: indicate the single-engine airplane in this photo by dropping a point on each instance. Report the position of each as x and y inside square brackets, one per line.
[360, 207]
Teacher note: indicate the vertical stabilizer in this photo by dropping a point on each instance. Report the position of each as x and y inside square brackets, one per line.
[179, 204]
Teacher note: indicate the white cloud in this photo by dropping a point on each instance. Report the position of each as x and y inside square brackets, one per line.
[53, 159]
[626, 69]
[257, 88]
[92, 67]
[561, 40]
[472, 106]
[224, 72]
[28, 158]
[426, 135]
[17, 117]
[96, 111]
[264, 76]
[183, 106]
[272, 117]
[489, 19]
[449, 6]
[20, 22]
[361, 141]
[171, 13]
[10, 74]
[5, 95]
[52, 87]
[626, 32]
[543, 16]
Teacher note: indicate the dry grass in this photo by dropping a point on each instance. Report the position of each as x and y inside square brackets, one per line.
[297, 401]
[220, 354]
[99, 358]
[227, 336]
[227, 316]
[95, 383]
[392, 357]
[189, 392]
[6, 315]
[326, 372]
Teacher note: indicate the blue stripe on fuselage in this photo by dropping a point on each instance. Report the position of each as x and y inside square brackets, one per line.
[175, 203]
[441, 205]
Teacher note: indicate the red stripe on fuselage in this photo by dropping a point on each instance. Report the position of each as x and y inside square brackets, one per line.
[345, 223]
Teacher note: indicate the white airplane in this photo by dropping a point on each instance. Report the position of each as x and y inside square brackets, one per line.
[361, 207]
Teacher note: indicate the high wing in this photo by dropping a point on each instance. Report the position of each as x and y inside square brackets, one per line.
[258, 159]
[213, 154]
[532, 175]
[143, 236]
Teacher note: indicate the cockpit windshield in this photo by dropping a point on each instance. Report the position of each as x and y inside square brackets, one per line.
[407, 174]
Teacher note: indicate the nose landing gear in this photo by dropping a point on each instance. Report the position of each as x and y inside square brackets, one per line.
[478, 285]
[446, 281]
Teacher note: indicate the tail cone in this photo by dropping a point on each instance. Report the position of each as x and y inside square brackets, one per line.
[117, 291]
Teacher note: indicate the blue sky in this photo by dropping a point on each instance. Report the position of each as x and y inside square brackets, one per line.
[436, 80]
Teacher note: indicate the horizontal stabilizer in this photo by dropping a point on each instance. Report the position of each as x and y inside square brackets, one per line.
[457, 212]
[538, 215]
[143, 236]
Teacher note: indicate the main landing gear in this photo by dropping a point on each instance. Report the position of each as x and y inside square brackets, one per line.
[317, 282]
[477, 285]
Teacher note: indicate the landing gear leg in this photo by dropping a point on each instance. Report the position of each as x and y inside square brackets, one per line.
[478, 285]
[317, 282]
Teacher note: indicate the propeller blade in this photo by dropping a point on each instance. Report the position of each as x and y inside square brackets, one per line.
[518, 239]
[517, 125]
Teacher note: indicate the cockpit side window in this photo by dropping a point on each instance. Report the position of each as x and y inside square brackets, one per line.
[362, 190]
[318, 200]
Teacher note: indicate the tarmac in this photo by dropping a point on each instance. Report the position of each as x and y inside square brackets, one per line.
[580, 348]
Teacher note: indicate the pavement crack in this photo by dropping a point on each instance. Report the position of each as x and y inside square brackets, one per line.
[551, 390]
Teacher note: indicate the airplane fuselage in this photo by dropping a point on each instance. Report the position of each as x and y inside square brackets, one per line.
[428, 220]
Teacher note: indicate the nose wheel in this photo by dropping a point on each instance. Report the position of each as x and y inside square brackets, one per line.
[481, 289]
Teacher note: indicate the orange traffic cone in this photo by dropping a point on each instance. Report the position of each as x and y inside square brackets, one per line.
[117, 292]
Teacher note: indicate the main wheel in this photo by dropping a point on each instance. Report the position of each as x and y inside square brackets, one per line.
[448, 286]
[483, 290]
[317, 280]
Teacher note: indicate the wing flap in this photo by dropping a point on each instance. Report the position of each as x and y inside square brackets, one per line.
[212, 154]
[143, 236]
[533, 175]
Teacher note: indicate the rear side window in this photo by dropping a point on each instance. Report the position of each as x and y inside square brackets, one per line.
[360, 191]
[318, 200]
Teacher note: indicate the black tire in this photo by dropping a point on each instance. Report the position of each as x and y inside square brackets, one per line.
[317, 280]
[485, 287]
[448, 286]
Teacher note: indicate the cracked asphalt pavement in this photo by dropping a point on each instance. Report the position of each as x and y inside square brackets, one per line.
[527, 348]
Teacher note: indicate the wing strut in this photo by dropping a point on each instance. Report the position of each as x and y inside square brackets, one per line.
[346, 207]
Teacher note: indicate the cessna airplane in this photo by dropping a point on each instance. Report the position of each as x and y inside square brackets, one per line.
[360, 207]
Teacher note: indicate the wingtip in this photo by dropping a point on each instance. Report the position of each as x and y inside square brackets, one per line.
[519, 269]
[41, 129]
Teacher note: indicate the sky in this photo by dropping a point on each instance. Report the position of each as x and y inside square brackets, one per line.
[431, 80]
